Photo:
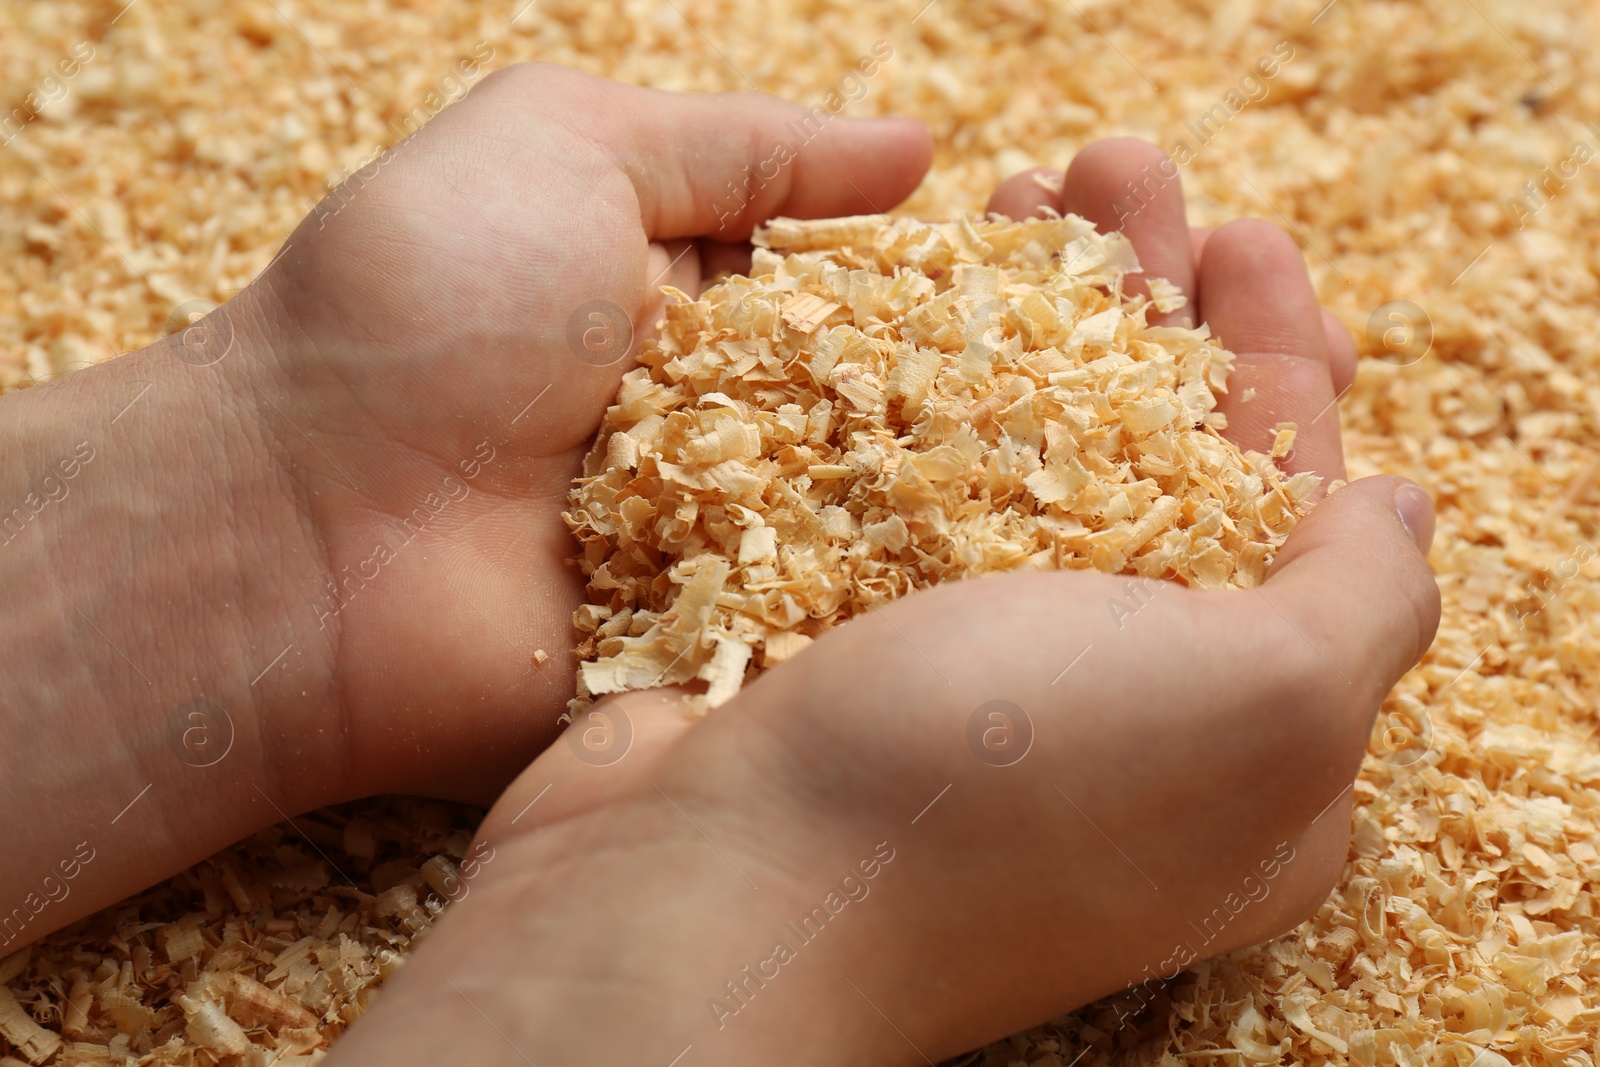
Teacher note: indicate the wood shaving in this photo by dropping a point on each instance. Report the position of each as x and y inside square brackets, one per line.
[805, 312]
[260, 955]
[1391, 144]
[984, 397]
[1048, 181]
[1283, 437]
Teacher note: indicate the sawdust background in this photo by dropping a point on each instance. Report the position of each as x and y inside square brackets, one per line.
[1465, 929]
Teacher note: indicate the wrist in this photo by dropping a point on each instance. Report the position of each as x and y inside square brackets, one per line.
[219, 542]
[148, 549]
[630, 933]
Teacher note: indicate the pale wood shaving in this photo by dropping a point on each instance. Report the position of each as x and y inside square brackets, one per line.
[183, 976]
[1283, 437]
[1050, 182]
[1391, 142]
[806, 311]
[1166, 296]
[989, 399]
[18, 1028]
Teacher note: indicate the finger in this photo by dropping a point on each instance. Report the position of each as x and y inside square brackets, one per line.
[1341, 344]
[674, 263]
[1257, 298]
[1132, 186]
[601, 758]
[1319, 857]
[1029, 195]
[688, 266]
[1353, 581]
[1341, 352]
[719, 164]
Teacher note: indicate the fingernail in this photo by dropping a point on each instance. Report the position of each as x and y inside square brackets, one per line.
[1416, 514]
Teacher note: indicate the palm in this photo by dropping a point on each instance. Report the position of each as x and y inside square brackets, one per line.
[436, 408]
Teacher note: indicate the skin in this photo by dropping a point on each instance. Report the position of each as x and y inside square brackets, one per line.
[396, 345]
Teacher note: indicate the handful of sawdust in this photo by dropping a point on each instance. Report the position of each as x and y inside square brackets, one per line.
[885, 405]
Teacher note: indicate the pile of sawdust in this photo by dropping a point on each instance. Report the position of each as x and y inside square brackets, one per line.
[891, 405]
[1421, 151]
[259, 955]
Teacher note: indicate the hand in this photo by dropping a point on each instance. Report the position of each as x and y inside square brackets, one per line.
[1186, 790]
[320, 537]
[469, 311]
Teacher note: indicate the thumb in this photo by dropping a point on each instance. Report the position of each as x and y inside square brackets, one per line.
[1354, 579]
[716, 165]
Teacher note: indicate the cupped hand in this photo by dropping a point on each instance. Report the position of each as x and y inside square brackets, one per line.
[1081, 782]
[311, 548]
[435, 348]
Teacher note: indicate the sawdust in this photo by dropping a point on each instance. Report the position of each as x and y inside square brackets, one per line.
[1397, 144]
[882, 406]
[262, 954]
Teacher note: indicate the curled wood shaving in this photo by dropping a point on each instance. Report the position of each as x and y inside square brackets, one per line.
[885, 405]
[26, 1036]
[182, 977]
[1394, 141]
